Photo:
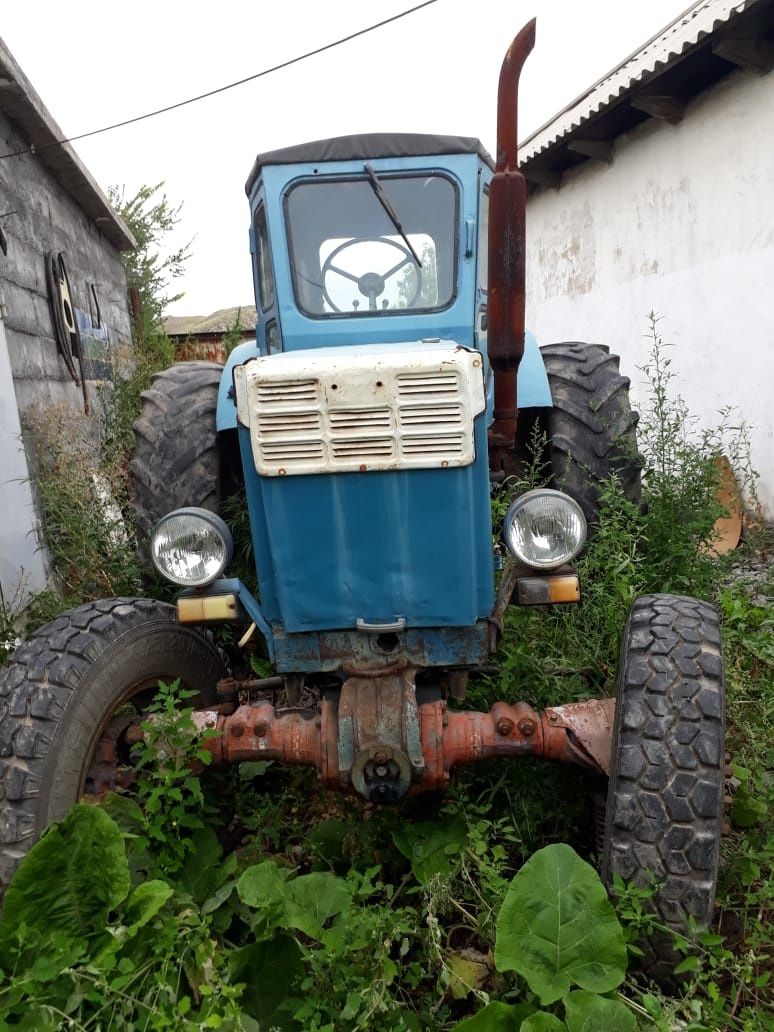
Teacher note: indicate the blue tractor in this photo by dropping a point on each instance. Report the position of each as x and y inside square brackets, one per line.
[365, 427]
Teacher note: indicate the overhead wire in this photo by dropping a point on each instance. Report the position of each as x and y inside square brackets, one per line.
[33, 149]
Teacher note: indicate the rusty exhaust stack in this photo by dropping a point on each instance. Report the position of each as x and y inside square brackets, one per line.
[507, 244]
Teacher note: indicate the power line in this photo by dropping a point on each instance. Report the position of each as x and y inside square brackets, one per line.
[222, 89]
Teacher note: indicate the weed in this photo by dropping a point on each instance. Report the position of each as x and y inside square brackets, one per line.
[81, 508]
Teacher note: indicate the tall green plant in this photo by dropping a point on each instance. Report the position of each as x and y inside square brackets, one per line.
[150, 268]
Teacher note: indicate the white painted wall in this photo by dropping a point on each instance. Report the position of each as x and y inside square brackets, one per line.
[681, 223]
[22, 568]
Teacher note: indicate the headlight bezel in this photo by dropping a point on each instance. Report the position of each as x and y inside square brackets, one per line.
[524, 501]
[214, 523]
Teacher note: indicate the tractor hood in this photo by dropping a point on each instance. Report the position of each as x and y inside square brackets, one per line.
[368, 486]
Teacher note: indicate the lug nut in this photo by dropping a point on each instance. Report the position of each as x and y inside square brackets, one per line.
[261, 728]
[381, 771]
[381, 757]
[527, 727]
[504, 726]
[237, 730]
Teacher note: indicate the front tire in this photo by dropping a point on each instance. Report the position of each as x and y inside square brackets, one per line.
[59, 692]
[665, 796]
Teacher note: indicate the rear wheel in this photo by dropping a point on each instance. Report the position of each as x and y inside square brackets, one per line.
[665, 796]
[60, 736]
[177, 461]
[591, 429]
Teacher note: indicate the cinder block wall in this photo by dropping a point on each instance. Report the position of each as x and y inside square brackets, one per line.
[46, 219]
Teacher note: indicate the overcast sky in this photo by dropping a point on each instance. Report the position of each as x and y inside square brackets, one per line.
[95, 62]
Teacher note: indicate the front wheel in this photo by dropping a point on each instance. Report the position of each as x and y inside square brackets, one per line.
[57, 698]
[665, 796]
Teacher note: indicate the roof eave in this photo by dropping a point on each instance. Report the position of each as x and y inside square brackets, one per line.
[20, 101]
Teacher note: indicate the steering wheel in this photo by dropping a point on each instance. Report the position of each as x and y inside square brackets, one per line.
[370, 284]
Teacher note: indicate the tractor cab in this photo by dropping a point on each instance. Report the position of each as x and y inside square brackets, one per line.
[370, 238]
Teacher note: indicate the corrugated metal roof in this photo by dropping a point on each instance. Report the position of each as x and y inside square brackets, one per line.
[688, 30]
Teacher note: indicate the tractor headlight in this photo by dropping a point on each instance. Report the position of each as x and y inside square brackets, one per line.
[545, 529]
[191, 547]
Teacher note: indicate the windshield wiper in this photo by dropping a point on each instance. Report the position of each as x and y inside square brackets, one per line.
[376, 186]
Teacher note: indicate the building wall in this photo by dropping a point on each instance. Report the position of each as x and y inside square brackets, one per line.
[32, 373]
[48, 219]
[22, 565]
[682, 224]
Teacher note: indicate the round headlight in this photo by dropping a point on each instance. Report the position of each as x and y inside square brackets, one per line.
[544, 529]
[191, 547]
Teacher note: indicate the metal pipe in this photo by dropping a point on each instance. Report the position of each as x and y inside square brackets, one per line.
[507, 243]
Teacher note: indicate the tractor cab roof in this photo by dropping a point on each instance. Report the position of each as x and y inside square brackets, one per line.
[366, 147]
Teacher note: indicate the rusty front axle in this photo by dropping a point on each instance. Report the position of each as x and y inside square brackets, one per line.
[375, 738]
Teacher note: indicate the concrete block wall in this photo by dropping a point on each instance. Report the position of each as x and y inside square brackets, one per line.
[47, 219]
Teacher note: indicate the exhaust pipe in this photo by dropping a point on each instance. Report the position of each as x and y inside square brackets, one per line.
[507, 245]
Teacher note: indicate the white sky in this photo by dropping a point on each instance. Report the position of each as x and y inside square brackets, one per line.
[95, 61]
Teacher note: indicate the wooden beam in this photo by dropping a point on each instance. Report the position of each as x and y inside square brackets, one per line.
[599, 150]
[542, 176]
[755, 55]
[668, 109]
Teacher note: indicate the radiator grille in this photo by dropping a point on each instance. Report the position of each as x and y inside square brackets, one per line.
[288, 392]
[355, 413]
[429, 385]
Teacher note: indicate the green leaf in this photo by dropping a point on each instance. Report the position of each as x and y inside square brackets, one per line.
[202, 871]
[587, 1012]
[689, 964]
[262, 884]
[557, 928]
[496, 1017]
[543, 1022]
[432, 847]
[71, 878]
[144, 903]
[268, 970]
[313, 899]
[305, 903]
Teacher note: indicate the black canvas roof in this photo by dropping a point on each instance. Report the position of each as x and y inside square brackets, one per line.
[366, 146]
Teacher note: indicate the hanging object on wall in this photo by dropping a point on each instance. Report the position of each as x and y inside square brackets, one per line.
[66, 332]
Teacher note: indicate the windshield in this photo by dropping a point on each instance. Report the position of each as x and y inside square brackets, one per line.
[348, 256]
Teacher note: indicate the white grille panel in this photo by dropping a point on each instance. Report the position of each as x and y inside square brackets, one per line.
[360, 409]
[363, 448]
[441, 444]
[359, 420]
[305, 424]
[291, 453]
[429, 385]
[288, 392]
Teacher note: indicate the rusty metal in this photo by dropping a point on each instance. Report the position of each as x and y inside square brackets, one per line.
[507, 244]
[375, 739]
[584, 729]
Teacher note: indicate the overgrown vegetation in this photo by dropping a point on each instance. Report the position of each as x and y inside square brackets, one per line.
[82, 476]
[251, 900]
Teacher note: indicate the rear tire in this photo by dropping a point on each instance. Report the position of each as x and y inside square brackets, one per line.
[177, 462]
[591, 430]
[61, 688]
[665, 795]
